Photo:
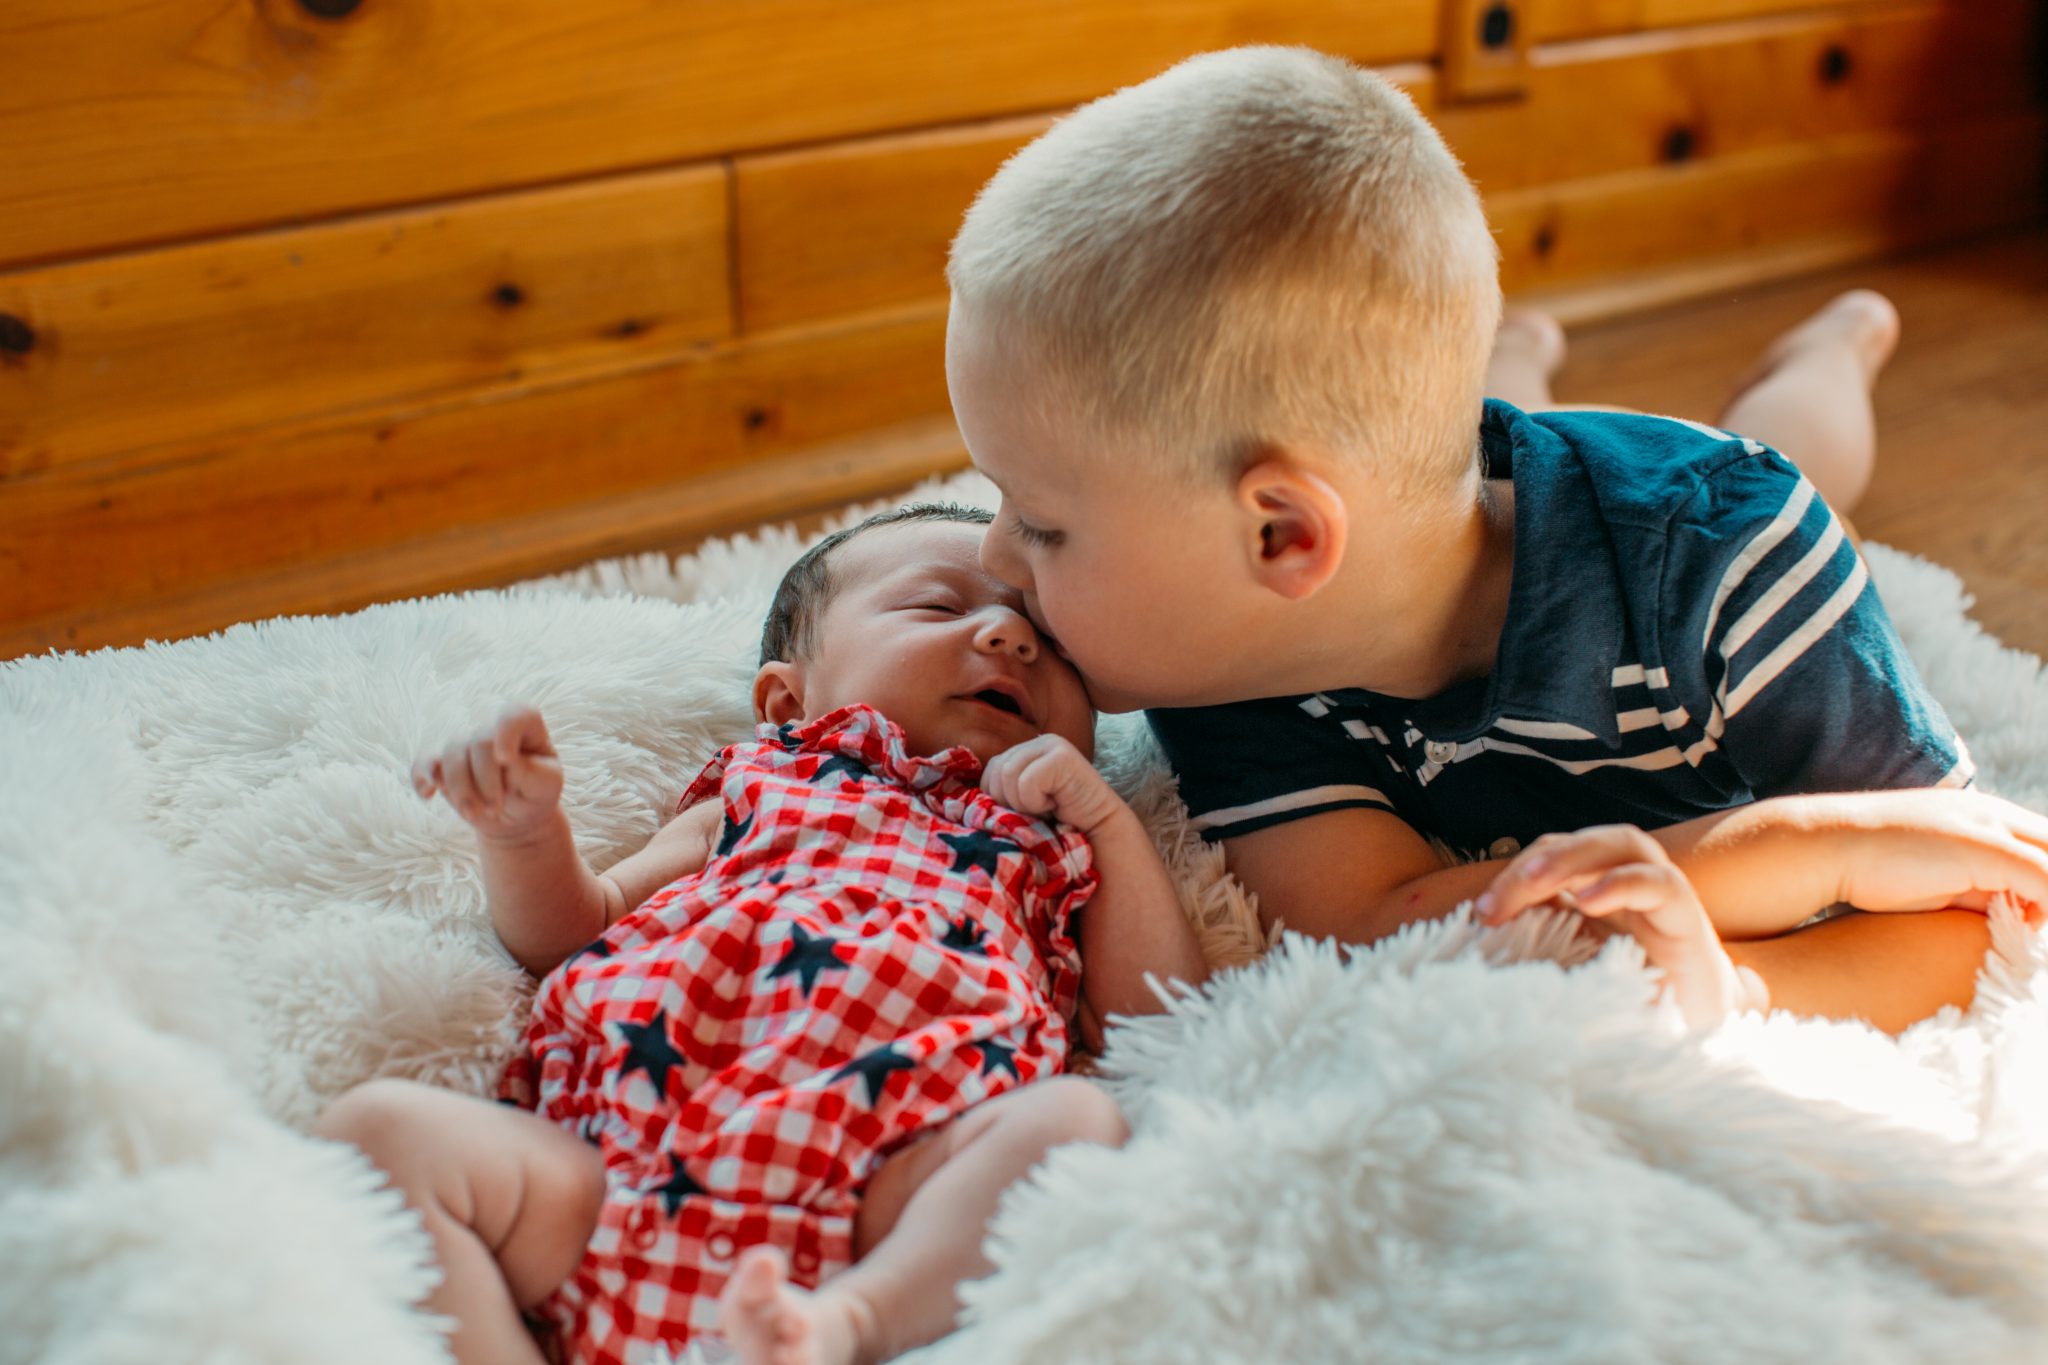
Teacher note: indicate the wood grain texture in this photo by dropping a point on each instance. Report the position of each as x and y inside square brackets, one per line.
[123, 123]
[97, 542]
[1897, 190]
[862, 224]
[165, 347]
[865, 223]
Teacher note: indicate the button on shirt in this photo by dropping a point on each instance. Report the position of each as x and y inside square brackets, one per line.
[1688, 629]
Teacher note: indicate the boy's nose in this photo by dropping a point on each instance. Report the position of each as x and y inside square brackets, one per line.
[1002, 561]
[1003, 631]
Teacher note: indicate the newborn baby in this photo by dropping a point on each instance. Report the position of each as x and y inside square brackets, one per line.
[784, 1060]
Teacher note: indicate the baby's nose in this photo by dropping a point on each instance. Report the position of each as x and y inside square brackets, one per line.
[1006, 632]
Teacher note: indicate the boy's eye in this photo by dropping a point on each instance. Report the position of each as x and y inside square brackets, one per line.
[1032, 535]
[946, 607]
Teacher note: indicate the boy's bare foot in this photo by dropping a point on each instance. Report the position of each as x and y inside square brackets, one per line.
[769, 1321]
[1527, 351]
[1863, 321]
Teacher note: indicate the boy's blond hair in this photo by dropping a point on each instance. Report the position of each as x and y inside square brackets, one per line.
[1263, 245]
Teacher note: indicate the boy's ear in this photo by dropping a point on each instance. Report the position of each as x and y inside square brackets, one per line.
[1300, 523]
[779, 693]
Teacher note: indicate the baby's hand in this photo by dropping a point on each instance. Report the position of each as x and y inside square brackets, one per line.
[1621, 877]
[1048, 776]
[504, 780]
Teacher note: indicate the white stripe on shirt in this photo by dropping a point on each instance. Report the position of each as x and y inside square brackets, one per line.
[1761, 544]
[1543, 729]
[1784, 590]
[1311, 796]
[1644, 717]
[1801, 640]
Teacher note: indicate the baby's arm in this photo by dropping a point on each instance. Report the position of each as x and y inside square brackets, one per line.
[544, 901]
[1133, 925]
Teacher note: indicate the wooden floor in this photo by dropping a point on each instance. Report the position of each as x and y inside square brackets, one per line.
[1962, 412]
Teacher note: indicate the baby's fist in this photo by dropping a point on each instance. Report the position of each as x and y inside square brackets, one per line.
[503, 780]
[1048, 776]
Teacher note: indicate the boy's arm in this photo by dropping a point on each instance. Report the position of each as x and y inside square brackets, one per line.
[1760, 869]
[1893, 970]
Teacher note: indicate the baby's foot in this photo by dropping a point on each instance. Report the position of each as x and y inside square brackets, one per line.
[1527, 351]
[1862, 320]
[769, 1321]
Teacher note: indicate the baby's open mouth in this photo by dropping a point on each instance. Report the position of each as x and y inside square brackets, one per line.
[1002, 701]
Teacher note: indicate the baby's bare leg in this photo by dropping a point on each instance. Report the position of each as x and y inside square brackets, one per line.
[1809, 396]
[509, 1199]
[918, 1235]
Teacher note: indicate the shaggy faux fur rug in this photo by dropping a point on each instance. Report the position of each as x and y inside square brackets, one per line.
[221, 905]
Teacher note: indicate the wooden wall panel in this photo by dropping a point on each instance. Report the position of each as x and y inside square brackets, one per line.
[859, 225]
[191, 342]
[1886, 190]
[1592, 109]
[122, 123]
[76, 541]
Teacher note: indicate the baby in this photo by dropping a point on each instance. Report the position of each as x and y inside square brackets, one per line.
[811, 1032]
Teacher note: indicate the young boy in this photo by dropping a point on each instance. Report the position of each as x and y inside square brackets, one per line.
[1221, 339]
[813, 1030]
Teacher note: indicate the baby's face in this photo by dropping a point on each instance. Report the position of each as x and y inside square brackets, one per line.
[1142, 585]
[919, 630]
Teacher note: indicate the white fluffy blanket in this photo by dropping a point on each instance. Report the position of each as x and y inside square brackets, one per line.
[220, 905]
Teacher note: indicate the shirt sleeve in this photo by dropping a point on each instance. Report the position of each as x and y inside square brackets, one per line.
[1251, 765]
[1809, 687]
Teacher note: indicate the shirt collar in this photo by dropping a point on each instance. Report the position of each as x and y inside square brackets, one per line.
[1564, 620]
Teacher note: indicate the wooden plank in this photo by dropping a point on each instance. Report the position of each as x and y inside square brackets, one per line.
[1591, 109]
[123, 123]
[893, 206]
[1598, 107]
[1554, 20]
[132, 352]
[1904, 189]
[1484, 50]
[89, 539]
[670, 518]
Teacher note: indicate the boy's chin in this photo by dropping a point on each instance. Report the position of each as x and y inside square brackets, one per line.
[1112, 701]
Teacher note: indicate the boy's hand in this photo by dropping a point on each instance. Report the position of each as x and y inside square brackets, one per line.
[1048, 776]
[1621, 877]
[1926, 850]
[504, 780]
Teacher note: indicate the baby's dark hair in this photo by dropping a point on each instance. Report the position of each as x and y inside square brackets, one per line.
[792, 626]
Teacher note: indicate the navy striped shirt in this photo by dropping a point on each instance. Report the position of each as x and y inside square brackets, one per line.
[1688, 629]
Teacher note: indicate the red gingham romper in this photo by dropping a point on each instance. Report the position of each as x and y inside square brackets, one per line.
[875, 945]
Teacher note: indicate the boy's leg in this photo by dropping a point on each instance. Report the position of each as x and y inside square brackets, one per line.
[918, 1234]
[509, 1199]
[1809, 396]
[1527, 351]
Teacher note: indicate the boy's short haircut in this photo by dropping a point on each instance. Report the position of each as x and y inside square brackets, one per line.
[791, 630]
[1257, 246]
